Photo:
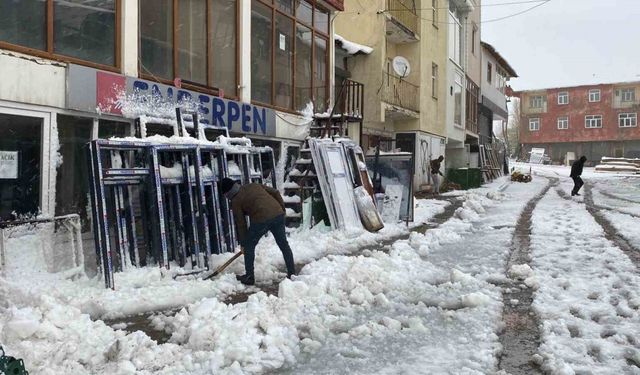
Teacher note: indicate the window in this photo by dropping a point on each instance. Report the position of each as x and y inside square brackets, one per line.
[594, 95]
[563, 123]
[489, 72]
[534, 124]
[628, 95]
[71, 179]
[434, 80]
[455, 39]
[21, 135]
[592, 121]
[628, 120]
[290, 60]
[563, 97]
[203, 53]
[473, 92]
[501, 79]
[434, 13]
[457, 113]
[536, 101]
[74, 30]
[474, 35]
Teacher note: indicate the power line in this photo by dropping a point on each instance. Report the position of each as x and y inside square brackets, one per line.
[516, 14]
[477, 6]
[486, 21]
[541, 3]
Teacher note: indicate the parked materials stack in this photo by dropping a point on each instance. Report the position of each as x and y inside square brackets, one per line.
[618, 165]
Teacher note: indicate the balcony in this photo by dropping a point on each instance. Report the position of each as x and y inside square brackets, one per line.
[402, 21]
[402, 98]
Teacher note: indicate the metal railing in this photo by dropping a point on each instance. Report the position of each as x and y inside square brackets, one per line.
[350, 100]
[404, 11]
[399, 92]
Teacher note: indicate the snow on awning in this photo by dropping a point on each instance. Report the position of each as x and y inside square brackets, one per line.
[351, 47]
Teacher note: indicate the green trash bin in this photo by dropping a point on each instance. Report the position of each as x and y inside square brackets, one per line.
[467, 178]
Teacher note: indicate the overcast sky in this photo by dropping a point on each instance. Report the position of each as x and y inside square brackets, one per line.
[566, 42]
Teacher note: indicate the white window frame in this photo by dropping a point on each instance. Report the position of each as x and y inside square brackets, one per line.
[565, 98]
[47, 148]
[594, 95]
[628, 120]
[563, 122]
[624, 92]
[533, 100]
[532, 121]
[593, 121]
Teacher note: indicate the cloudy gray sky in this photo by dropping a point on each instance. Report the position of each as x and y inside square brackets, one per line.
[566, 42]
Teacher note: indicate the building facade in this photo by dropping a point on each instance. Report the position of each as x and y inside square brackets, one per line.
[496, 73]
[76, 71]
[591, 120]
[463, 83]
[405, 104]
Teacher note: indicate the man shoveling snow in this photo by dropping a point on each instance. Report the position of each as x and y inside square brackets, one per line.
[265, 209]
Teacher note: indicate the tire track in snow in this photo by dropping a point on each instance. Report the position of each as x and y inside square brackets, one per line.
[610, 232]
[520, 338]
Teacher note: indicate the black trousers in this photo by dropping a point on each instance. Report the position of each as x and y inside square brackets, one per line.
[577, 184]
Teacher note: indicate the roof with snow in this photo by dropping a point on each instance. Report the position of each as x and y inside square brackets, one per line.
[351, 47]
[501, 60]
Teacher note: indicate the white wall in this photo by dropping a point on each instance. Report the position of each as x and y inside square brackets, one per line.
[27, 79]
[489, 90]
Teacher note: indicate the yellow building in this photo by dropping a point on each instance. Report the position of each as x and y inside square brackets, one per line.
[404, 74]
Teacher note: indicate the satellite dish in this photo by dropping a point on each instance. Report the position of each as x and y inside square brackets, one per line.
[401, 66]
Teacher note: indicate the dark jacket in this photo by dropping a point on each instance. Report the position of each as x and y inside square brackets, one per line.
[435, 166]
[576, 168]
[261, 203]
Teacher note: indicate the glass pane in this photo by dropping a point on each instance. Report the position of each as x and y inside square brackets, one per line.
[304, 12]
[20, 189]
[322, 20]
[23, 23]
[284, 61]
[108, 129]
[85, 29]
[303, 66]
[71, 180]
[223, 45]
[192, 34]
[261, 49]
[156, 38]
[285, 6]
[457, 116]
[320, 81]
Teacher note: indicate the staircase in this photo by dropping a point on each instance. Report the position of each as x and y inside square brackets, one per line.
[302, 182]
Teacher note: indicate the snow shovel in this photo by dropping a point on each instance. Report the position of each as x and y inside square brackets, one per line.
[216, 272]
[225, 265]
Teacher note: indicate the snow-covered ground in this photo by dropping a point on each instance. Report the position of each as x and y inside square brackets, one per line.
[430, 304]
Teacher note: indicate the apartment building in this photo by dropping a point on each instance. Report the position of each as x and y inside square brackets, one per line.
[463, 83]
[496, 73]
[404, 72]
[592, 120]
[76, 71]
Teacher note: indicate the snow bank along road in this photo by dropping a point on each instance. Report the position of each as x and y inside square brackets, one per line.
[431, 304]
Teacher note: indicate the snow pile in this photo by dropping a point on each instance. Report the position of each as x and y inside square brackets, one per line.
[425, 300]
[351, 47]
[521, 271]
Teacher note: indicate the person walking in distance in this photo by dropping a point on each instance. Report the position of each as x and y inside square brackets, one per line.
[576, 171]
[436, 174]
[266, 211]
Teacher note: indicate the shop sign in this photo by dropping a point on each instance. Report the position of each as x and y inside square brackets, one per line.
[9, 165]
[98, 91]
